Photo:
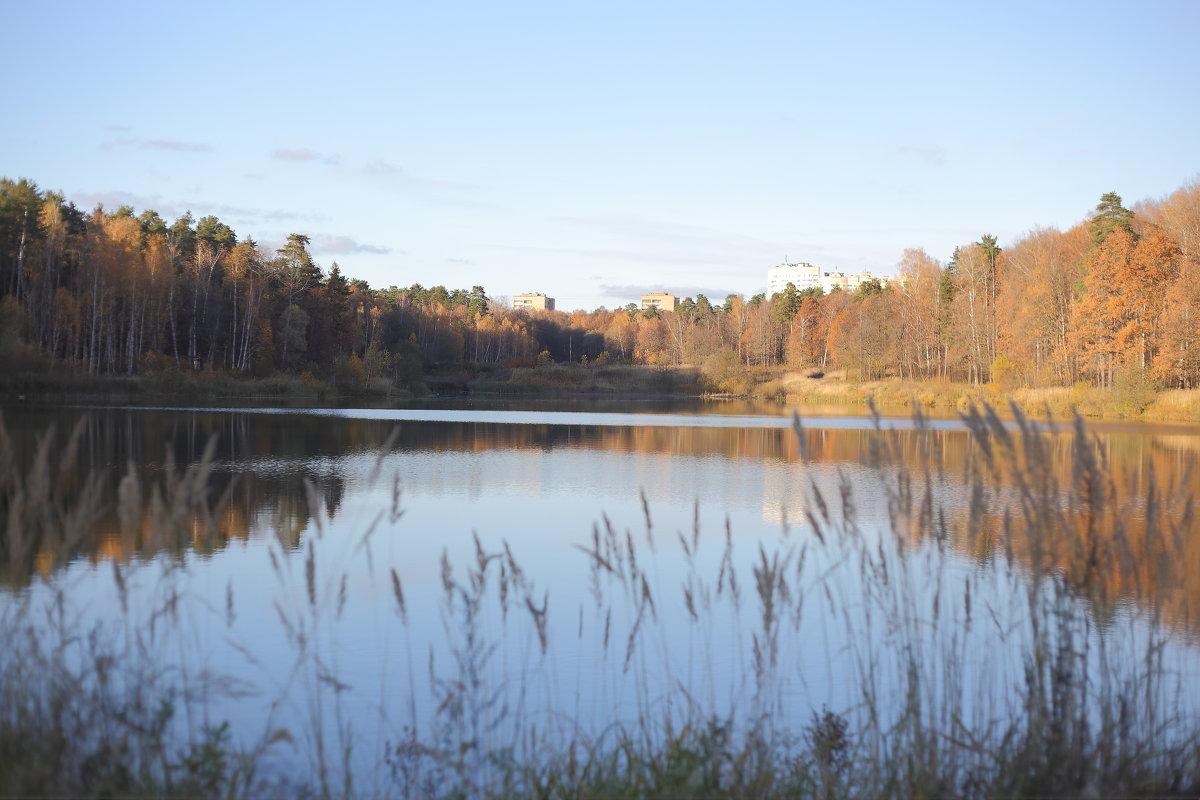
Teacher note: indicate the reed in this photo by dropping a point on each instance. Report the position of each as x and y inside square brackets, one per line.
[1060, 689]
[1175, 404]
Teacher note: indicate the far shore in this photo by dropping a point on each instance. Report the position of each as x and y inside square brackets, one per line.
[790, 388]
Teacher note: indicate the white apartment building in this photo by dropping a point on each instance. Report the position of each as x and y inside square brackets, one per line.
[802, 276]
[806, 276]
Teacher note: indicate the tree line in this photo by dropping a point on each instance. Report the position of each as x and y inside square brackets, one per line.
[122, 293]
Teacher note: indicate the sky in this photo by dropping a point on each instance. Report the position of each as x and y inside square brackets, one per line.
[594, 151]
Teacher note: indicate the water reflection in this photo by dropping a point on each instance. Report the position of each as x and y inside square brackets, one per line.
[530, 471]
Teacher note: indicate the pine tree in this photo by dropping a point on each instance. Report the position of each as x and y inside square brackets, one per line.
[1110, 216]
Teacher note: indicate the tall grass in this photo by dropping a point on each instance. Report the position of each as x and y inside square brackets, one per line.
[983, 645]
[89, 706]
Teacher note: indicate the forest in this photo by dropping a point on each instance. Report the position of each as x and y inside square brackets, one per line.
[128, 293]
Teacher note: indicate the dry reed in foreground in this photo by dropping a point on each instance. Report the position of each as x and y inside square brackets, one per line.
[1056, 691]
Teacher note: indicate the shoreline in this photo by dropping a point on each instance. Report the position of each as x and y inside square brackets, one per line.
[790, 389]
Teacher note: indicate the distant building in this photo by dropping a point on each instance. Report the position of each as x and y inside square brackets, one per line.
[806, 276]
[659, 300]
[802, 276]
[533, 300]
[840, 282]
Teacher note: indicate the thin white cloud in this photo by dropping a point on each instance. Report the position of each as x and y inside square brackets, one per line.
[279, 215]
[933, 156]
[173, 145]
[434, 190]
[304, 154]
[170, 209]
[693, 260]
[882, 231]
[344, 245]
[459, 261]
[651, 242]
[115, 199]
[672, 234]
[632, 292]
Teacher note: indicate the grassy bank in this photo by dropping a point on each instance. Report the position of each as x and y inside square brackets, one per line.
[944, 397]
[1137, 401]
[186, 387]
[1062, 691]
[570, 379]
[1132, 401]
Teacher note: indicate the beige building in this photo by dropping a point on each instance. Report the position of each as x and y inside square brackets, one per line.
[660, 300]
[831, 282]
[533, 300]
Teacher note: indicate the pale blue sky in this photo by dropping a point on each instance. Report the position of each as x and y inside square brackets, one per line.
[593, 151]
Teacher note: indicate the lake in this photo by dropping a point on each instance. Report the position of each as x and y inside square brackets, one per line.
[507, 572]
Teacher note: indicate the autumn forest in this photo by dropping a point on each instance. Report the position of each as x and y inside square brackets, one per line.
[127, 293]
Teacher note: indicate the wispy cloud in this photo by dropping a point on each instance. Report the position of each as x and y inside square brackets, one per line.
[304, 154]
[434, 190]
[694, 261]
[115, 199]
[173, 145]
[169, 208]
[118, 144]
[276, 215]
[885, 231]
[344, 245]
[671, 234]
[933, 156]
[632, 292]
[180, 147]
[653, 242]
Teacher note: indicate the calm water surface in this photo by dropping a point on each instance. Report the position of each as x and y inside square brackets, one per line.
[431, 491]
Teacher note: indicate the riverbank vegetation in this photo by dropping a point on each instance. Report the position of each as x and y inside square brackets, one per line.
[1134, 397]
[1014, 645]
[1104, 314]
